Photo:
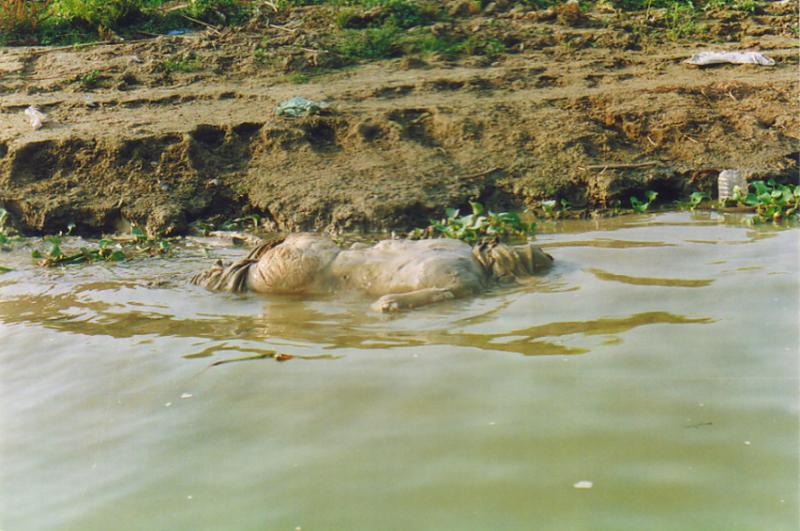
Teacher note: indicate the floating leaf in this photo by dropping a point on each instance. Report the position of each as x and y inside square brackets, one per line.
[138, 233]
[477, 208]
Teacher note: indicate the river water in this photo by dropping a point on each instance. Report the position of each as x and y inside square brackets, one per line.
[658, 361]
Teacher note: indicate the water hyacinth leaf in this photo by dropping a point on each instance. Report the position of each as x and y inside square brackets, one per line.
[476, 226]
[477, 208]
[55, 250]
[478, 222]
[138, 233]
[759, 187]
[696, 198]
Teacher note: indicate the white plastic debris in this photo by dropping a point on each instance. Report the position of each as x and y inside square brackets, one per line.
[583, 485]
[299, 106]
[727, 181]
[186, 395]
[737, 58]
[36, 117]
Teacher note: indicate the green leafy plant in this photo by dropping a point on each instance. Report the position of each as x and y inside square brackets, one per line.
[401, 13]
[179, 64]
[550, 210]
[297, 78]
[89, 80]
[8, 233]
[772, 201]
[220, 11]
[480, 224]
[481, 45]
[680, 18]
[107, 13]
[371, 43]
[22, 16]
[107, 250]
[696, 198]
[241, 223]
[54, 256]
[642, 206]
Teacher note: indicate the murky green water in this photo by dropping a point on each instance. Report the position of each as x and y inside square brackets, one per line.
[659, 360]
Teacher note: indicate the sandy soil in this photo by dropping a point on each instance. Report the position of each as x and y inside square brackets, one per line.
[591, 112]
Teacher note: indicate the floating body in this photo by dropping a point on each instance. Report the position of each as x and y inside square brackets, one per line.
[402, 273]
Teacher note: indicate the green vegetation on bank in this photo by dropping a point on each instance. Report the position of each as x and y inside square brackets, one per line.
[74, 21]
[364, 29]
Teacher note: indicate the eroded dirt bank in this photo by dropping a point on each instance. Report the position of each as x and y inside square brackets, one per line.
[586, 113]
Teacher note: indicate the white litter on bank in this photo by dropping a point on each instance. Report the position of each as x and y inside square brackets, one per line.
[35, 116]
[583, 485]
[737, 58]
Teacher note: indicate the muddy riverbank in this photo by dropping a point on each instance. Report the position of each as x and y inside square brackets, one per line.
[164, 131]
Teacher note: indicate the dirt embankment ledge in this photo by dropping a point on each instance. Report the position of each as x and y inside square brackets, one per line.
[553, 117]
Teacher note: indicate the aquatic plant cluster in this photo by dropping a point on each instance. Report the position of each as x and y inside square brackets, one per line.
[7, 232]
[480, 224]
[137, 244]
[771, 201]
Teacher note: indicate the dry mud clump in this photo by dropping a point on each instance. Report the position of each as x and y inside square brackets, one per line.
[576, 106]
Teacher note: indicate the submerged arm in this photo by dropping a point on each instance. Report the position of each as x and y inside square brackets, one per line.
[394, 302]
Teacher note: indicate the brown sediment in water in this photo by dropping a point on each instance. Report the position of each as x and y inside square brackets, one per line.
[646, 281]
[581, 113]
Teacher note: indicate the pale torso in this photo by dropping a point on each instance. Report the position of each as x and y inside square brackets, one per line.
[401, 266]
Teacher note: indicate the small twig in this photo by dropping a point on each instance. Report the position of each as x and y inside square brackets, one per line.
[176, 8]
[613, 166]
[245, 358]
[276, 356]
[72, 46]
[206, 24]
[284, 28]
[482, 173]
